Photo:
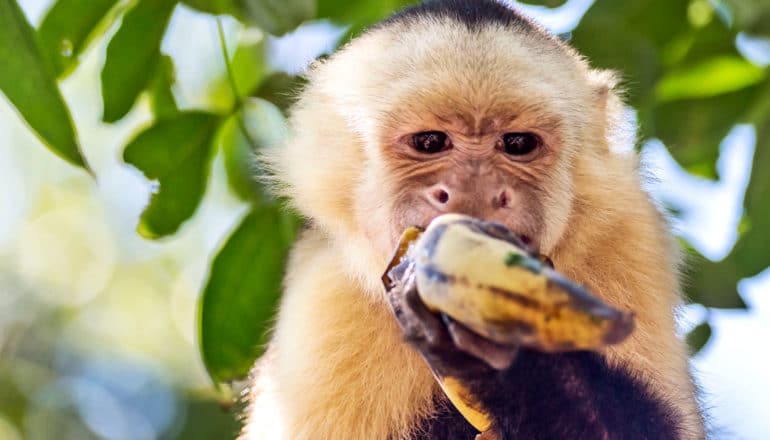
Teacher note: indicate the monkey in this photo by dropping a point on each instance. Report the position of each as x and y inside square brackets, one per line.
[465, 106]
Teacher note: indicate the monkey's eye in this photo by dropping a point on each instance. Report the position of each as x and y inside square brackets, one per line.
[430, 142]
[520, 145]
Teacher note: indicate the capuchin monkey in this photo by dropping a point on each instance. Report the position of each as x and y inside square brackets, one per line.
[465, 106]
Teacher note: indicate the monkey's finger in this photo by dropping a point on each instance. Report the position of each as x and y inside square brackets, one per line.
[497, 356]
[420, 326]
[433, 329]
[407, 319]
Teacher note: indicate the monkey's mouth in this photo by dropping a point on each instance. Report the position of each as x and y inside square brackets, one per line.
[490, 228]
[523, 240]
[530, 244]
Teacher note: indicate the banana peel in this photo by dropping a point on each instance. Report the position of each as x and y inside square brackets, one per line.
[484, 277]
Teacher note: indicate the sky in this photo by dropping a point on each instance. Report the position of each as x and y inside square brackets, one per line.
[731, 369]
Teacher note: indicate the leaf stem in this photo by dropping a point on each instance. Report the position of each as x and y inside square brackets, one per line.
[239, 102]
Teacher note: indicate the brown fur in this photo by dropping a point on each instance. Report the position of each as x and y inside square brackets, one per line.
[336, 366]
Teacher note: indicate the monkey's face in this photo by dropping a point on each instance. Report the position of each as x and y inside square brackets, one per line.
[499, 168]
[474, 123]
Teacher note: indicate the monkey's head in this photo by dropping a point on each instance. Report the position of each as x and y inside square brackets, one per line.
[429, 113]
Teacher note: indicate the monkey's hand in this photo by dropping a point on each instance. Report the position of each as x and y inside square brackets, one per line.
[469, 293]
[449, 347]
[483, 277]
[452, 352]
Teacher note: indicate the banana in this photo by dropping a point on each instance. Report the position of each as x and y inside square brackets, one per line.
[482, 276]
[478, 274]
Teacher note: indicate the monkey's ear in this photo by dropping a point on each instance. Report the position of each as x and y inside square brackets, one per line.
[619, 125]
[605, 84]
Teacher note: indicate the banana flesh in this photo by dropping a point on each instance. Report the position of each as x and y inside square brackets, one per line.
[483, 277]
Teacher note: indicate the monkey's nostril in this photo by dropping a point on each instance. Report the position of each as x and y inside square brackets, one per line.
[503, 199]
[441, 195]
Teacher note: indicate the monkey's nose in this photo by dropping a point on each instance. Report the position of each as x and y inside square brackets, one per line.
[440, 196]
[475, 203]
[501, 200]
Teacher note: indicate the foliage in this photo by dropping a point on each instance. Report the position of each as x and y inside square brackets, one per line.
[682, 71]
[28, 81]
[690, 86]
[231, 313]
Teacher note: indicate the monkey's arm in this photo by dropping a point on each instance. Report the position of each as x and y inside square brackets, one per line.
[573, 395]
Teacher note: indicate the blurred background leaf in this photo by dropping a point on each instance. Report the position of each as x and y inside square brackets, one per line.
[357, 15]
[27, 80]
[242, 292]
[751, 15]
[281, 89]
[175, 152]
[215, 6]
[67, 27]
[278, 17]
[133, 55]
[712, 77]
[259, 124]
[547, 3]
[161, 93]
[699, 337]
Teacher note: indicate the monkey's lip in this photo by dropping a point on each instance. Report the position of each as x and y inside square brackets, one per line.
[532, 245]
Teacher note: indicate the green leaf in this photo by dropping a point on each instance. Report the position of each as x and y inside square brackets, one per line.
[239, 160]
[712, 77]
[264, 122]
[693, 129]
[248, 63]
[204, 419]
[28, 82]
[546, 3]
[751, 253]
[265, 128]
[281, 89]
[701, 44]
[630, 36]
[161, 96]
[216, 7]
[714, 284]
[66, 28]
[132, 56]
[698, 337]
[752, 16]
[176, 152]
[242, 292]
[359, 14]
[278, 17]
